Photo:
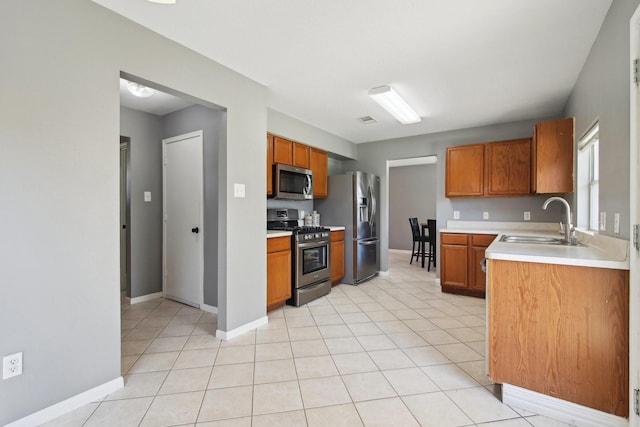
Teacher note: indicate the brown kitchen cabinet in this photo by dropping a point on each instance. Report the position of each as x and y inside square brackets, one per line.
[269, 164]
[552, 157]
[282, 150]
[561, 330]
[337, 256]
[288, 152]
[501, 168]
[460, 256]
[508, 167]
[465, 171]
[278, 271]
[318, 162]
[300, 155]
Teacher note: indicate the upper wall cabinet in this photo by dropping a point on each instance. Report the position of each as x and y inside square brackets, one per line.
[319, 162]
[508, 167]
[282, 150]
[491, 169]
[552, 157]
[465, 171]
[269, 164]
[300, 155]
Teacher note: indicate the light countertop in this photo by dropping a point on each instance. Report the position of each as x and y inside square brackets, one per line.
[277, 233]
[334, 227]
[596, 250]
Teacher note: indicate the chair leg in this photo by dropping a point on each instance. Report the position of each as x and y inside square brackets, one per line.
[413, 251]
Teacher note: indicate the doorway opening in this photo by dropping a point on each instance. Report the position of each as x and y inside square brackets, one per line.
[147, 121]
[412, 194]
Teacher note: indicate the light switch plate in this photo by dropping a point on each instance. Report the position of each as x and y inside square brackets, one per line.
[147, 196]
[238, 190]
[485, 215]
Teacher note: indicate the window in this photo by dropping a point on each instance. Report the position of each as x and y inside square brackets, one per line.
[588, 176]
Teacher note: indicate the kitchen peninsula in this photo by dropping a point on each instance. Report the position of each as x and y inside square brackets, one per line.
[558, 328]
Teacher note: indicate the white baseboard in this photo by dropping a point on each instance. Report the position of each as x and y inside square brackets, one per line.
[383, 273]
[209, 308]
[143, 298]
[227, 335]
[558, 409]
[70, 404]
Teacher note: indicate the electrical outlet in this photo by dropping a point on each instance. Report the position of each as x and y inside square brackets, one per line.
[527, 216]
[456, 214]
[485, 215]
[11, 365]
[616, 223]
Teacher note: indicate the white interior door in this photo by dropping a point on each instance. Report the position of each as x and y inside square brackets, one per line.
[183, 212]
[634, 202]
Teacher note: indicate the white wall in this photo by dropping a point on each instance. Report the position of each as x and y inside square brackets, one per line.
[602, 93]
[59, 221]
[145, 225]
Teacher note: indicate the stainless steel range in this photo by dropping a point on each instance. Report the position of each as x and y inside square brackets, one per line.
[311, 269]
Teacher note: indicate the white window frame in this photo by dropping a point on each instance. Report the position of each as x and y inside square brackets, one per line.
[588, 179]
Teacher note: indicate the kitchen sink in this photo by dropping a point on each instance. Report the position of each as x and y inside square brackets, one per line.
[533, 239]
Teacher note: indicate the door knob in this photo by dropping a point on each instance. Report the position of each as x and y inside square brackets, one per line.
[195, 230]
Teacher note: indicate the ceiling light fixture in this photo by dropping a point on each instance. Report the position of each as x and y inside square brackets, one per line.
[163, 1]
[139, 90]
[394, 104]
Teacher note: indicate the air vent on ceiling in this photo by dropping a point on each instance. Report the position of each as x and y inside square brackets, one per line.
[367, 120]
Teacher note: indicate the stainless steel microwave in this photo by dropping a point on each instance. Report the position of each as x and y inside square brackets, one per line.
[291, 182]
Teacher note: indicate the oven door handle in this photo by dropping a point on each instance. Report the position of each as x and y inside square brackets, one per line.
[312, 245]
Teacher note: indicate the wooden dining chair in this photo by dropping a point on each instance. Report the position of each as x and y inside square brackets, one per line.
[430, 242]
[416, 234]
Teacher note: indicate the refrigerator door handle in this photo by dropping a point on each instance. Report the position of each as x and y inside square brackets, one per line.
[374, 207]
[368, 243]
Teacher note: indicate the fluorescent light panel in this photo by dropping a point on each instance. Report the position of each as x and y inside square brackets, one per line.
[394, 104]
[163, 1]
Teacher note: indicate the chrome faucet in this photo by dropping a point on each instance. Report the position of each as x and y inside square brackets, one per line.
[569, 230]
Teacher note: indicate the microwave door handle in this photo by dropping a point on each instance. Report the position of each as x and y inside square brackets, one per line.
[308, 183]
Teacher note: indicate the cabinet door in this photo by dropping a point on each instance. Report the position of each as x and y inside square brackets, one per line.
[278, 271]
[477, 277]
[337, 256]
[282, 151]
[269, 164]
[553, 157]
[454, 260]
[465, 171]
[300, 155]
[508, 167]
[318, 164]
[278, 277]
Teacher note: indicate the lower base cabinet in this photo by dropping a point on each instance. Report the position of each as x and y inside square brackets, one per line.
[278, 271]
[460, 256]
[561, 330]
[337, 256]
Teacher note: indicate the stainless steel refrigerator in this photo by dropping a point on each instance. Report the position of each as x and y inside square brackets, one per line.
[353, 202]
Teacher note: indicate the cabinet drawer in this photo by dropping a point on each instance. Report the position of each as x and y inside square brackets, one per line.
[275, 244]
[337, 235]
[453, 238]
[482, 239]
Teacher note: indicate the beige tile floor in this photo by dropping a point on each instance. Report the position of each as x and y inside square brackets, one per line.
[393, 351]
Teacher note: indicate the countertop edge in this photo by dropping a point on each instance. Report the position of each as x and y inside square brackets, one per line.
[277, 233]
